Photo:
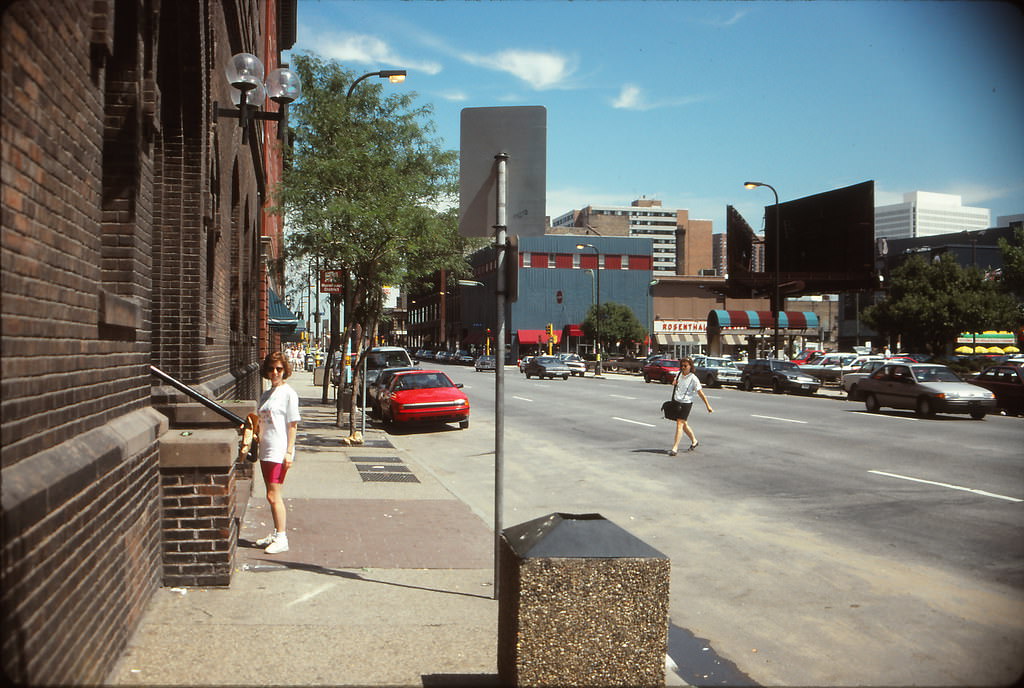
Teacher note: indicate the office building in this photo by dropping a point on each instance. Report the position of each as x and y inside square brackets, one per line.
[923, 214]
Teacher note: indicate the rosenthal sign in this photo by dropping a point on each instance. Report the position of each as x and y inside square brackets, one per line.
[670, 326]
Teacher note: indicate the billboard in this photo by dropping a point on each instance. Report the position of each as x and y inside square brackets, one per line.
[826, 244]
[827, 239]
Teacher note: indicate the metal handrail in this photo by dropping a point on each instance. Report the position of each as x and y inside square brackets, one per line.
[202, 399]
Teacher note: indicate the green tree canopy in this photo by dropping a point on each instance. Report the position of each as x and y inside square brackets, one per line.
[618, 324]
[1013, 263]
[367, 189]
[929, 303]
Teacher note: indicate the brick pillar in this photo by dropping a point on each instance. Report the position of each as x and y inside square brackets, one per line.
[200, 519]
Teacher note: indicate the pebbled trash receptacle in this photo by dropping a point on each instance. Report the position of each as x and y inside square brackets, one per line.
[581, 602]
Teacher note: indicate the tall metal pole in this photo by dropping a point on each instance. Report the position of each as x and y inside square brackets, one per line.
[500, 245]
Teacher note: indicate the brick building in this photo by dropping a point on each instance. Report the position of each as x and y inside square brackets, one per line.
[134, 232]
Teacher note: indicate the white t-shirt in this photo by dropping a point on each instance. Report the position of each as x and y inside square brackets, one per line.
[279, 406]
[686, 388]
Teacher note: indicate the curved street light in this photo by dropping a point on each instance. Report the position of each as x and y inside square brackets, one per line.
[777, 305]
[598, 371]
[395, 76]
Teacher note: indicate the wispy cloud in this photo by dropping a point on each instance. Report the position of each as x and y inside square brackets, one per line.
[538, 70]
[632, 97]
[363, 49]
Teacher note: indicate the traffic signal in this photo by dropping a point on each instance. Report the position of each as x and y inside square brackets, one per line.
[550, 330]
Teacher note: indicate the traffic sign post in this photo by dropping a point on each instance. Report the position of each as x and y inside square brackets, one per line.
[502, 187]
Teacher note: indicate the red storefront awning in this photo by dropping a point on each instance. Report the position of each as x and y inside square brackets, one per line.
[535, 336]
[756, 320]
[573, 331]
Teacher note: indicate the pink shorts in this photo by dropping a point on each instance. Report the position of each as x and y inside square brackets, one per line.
[273, 472]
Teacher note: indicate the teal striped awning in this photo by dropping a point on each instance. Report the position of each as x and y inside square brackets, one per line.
[279, 316]
[761, 320]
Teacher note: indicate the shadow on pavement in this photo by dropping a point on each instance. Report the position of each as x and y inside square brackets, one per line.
[352, 575]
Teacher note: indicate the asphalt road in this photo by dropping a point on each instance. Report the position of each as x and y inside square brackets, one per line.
[812, 543]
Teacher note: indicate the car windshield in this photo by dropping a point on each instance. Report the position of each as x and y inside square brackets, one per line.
[719, 363]
[386, 359]
[546, 360]
[784, 365]
[935, 375]
[569, 357]
[423, 381]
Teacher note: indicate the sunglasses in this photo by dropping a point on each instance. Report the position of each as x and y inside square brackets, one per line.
[278, 369]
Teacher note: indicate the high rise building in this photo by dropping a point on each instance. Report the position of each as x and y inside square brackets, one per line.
[681, 246]
[923, 213]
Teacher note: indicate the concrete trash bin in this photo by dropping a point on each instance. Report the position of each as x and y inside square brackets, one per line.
[581, 602]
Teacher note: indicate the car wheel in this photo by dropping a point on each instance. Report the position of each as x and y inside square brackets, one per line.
[871, 403]
[527, 375]
[777, 386]
[851, 394]
[924, 408]
[647, 379]
[565, 377]
[748, 385]
[464, 424]
[713, 382]
[978, 414]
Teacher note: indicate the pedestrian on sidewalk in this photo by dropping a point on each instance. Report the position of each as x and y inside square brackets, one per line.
[279, 421]
[684, 389]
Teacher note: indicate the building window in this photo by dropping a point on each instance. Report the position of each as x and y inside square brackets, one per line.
[575, 261]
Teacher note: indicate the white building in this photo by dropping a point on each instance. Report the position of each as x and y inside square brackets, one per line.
[923, 213]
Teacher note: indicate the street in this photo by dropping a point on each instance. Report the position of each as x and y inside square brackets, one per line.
[812, 543]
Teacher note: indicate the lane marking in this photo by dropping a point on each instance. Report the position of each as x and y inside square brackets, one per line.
[522, 398]
[622, 396]
[885, 415]
[983, 493]
[783, 420]
[634, 422]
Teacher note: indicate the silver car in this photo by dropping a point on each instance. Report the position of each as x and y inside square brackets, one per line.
[851, 380]
[576, 364]
[926, 388]
[715, 372]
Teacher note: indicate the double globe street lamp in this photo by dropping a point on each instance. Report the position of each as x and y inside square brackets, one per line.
[245, 74]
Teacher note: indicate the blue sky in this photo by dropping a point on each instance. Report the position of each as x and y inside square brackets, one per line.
[684, 101]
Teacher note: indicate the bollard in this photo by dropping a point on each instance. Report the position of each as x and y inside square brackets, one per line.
[581, 602]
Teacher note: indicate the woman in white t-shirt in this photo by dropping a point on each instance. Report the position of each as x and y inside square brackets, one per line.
[279, 420]
[685, 388]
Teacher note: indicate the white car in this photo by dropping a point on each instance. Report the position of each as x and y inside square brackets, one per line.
[576, 364]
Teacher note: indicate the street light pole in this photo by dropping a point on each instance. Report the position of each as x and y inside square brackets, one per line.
[777, 305]
[598, 370]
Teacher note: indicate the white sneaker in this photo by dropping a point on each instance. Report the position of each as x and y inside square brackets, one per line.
[264, 541]
[280, 544]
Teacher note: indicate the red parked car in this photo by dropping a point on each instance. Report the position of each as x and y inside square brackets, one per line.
[1006, 381]
[424, 396]
[661, 369]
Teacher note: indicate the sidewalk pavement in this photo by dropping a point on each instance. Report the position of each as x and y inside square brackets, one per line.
[388, 581]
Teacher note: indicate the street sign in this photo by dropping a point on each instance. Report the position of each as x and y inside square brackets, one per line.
[520, 133]
[332, 281]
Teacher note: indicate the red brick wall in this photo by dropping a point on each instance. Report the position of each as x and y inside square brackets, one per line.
[130, 217]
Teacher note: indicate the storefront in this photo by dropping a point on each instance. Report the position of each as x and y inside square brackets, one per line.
[678, 338]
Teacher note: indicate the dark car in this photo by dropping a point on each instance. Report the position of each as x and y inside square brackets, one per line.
[1007, 383]
[661, 370]
[462, 357]
[926, 388]
[779, 375]
[424, 396]
[546, 366]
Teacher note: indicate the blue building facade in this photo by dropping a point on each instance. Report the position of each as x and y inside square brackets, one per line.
[558, 283]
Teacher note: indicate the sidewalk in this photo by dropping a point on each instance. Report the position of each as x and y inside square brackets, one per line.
[388, 582]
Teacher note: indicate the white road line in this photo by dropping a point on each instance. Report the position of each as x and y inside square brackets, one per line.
[621, 396]
[884, 415]
[522, 398]
[952, 487]
[784, 420]
[634, 422]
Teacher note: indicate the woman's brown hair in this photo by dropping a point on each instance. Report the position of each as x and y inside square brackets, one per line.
[270, 361]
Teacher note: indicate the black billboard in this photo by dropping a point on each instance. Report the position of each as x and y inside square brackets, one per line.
[827, 240]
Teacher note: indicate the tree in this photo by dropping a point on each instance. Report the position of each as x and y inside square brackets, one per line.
[618, 324]
[361, 191]
[929, 303]
[1012, 276]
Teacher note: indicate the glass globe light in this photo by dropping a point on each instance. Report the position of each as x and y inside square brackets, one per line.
[284, 86]
[244, 71]
[254, 97]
